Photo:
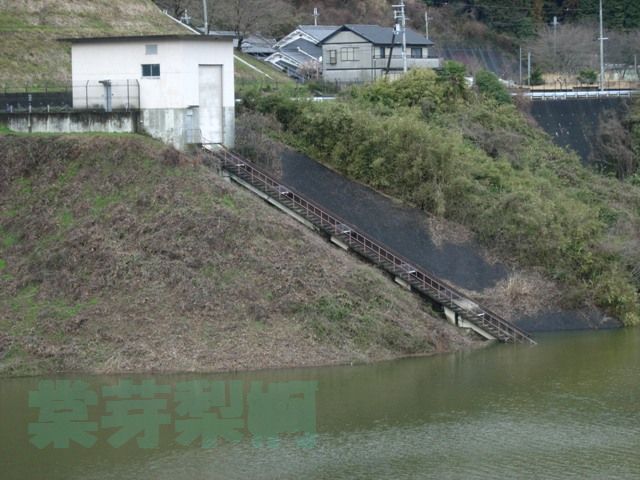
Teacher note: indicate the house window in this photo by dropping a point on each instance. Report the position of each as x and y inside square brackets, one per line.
[383, 52]
[416, 52]
[151, 70]
[151, 49]
[348, 54]
[333, 57]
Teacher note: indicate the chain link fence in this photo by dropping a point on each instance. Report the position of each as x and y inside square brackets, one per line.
[121, 95]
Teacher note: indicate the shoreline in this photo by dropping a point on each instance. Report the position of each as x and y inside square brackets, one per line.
[476, 344]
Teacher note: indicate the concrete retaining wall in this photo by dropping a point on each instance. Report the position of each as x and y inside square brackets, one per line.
[175, 126]
[72, 122]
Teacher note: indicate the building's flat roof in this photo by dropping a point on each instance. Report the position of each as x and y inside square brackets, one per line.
[153, 38]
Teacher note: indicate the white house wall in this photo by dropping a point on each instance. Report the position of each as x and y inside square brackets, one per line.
[169, 103]
[368, 64]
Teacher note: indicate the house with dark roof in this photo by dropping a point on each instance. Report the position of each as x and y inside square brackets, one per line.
[299, 59]
[299, 53]
[258, 46]
[312, 33]
[363, 53]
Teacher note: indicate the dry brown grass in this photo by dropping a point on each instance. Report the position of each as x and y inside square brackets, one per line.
[522, 293]
[119, 254]
[442, 231]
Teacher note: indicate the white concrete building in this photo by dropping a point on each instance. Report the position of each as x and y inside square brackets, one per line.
[183, 85]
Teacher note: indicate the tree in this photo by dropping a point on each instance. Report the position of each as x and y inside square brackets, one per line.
[588, 76]
[176, 8]
[251, 16]
[568, 50]
[614, 145]
[536, 76]
[622, 50]
[489, 85]
[618, 14]
[452, 77]
[516, 19]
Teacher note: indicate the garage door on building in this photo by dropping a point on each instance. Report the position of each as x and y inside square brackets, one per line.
[211, 113]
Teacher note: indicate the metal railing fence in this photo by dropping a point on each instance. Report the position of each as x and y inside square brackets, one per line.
[88, 95]
[419, 278]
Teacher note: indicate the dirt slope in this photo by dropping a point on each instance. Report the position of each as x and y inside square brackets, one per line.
[118, 254]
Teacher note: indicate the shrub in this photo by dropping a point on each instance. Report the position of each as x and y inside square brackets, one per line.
[452, 76]
[587, 76]
[536, 77]
[489, 85]
[478, 162]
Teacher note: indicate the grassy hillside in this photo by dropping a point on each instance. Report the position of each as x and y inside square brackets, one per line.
[29, 52]
[471, 157]
[266, 74]
[119, 254]
[31, 55]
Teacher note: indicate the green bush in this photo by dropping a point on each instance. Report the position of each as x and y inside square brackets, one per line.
[489, 85]
[588, 76]
[452, 77]
[478, 162]
[536, 77]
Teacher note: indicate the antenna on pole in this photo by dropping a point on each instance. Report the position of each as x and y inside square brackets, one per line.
[401, 19]
[315, 16]
[602, 39]
[185, 18]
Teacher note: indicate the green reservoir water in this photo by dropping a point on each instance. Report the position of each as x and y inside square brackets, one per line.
[567, 408]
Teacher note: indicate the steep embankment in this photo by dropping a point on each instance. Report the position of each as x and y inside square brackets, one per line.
[575, 123]
[470, 157]
[30, 52]
[118, 254]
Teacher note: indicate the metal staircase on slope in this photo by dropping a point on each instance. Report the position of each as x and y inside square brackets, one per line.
[419, 279]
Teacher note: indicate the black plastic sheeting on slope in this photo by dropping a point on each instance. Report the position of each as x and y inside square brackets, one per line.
[404, 230]
[401, 228]
[482, 58]
[574, 123]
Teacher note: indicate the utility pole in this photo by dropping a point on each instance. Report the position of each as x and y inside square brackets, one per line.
[426, 26]
[315, 16]
[529, 69]
[206, 17]
[400, 17]
[520, 65]
[602, 39]
[555, 42]
[426, 22]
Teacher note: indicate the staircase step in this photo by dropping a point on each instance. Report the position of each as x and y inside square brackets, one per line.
[401, 270]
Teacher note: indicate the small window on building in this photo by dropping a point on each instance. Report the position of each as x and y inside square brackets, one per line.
[151, 49]
[383, 52]
[151, 70]
[416, 52]
[348, 54]
[333, 57]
